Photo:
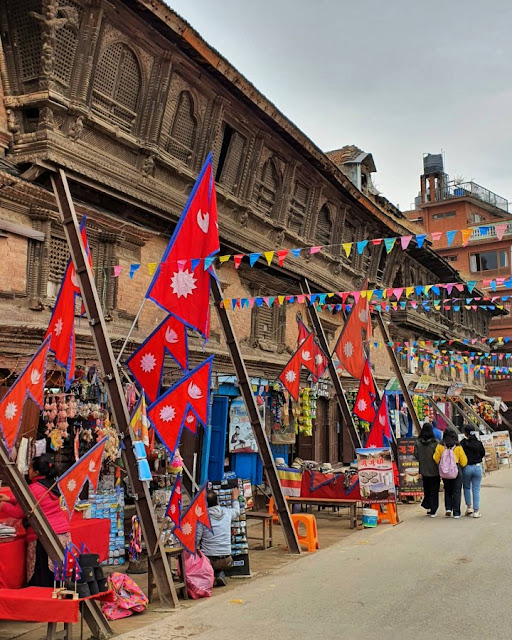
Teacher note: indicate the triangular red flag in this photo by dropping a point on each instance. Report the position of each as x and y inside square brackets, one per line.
[88, 467]
[290, 376]
[147, 362]
[31, 383]
[303, 331]
[381, 426]
[189, 395]
[180, 288]
[320, 361]
[349, 347]
[364, 406]
[307, 351]
[197, 512]
[173, 510]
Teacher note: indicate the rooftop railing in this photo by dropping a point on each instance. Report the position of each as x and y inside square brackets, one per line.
[471, 189]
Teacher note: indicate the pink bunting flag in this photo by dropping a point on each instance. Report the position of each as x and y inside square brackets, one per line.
[405, 241]
[117, 270]
[398, 292]
[436, 236]
[314, 250]
[500, 230]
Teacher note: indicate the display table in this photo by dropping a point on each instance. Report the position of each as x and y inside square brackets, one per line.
[93, 533]
[12, 563]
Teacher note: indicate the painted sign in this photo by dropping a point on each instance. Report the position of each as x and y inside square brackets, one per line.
[375, 470]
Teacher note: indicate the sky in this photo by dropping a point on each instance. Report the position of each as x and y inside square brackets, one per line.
[398, 79]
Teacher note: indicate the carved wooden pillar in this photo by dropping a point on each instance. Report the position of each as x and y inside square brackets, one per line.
[211, 132]
[157, 107]
[282, 206]
[109, 241]
[38, 258]
[88, 51]
[252, 168]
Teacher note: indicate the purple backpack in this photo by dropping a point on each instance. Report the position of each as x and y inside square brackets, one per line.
[447, 465]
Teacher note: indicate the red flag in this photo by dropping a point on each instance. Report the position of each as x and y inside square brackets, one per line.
[87, 468]
[307, 354]
[290, 376]
[62, 322]
[381, 426]
[197, 512]
[364, 406]
[349, 348]
[320, 361]
[147, 362]
[303, 331]
[173, 510]
[190, 395]
[181, 284]
[31, 383]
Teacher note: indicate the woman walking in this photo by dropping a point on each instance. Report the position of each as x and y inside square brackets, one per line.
[472, 472]
[451, 458]
[424, 450]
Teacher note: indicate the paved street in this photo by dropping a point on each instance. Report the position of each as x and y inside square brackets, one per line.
[424, 579]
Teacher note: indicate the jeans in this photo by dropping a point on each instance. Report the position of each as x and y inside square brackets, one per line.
[452, 494]
[472, 476]
[431, 492]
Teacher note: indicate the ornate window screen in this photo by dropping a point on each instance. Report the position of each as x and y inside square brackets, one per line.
[266, 187]
[65, 51]
[183, 131]
[117, 86]
[27, 34]
[232, 169]
[324, 226]
[298, 208]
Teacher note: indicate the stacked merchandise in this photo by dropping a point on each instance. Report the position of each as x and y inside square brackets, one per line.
[423, 409]
[108, 502]
[485, 411]
[239, 543]
[306, 411]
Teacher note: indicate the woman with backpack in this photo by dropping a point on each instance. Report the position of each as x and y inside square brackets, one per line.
[451, 458]
[472, 472]
[424, 450]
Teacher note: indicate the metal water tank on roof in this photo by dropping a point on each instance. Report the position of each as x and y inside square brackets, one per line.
[433, 163]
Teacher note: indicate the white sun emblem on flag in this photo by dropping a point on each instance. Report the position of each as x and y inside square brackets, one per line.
[35, 376]
[319, 359]
[348, 349]
[361, 405]
[199, 512]
[147, 362]
[187, 528]
[363, 315]
[71, 485]
[168, 413]
[11, 410]
[290, 376]
[183, 283]
[189, 419]
[173, 509]
[58, 327]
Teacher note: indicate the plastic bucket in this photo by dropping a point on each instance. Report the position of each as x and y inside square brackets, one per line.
[370, 517]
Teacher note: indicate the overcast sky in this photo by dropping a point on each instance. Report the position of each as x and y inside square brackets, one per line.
[396, 78]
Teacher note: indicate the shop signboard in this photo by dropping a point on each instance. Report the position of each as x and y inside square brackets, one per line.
[375, 471]
[491, 458]
[455, 390]
[410, 483]
[241, 435]
[502, 444]
[423, 383]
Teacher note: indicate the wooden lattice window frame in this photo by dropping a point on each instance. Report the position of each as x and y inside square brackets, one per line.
[183, 133]
[268, 327]
[298, 207]
[267, 187]
[115, 95]
[324, 227]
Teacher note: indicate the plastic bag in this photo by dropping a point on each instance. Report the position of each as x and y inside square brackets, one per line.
[200, 577]
[128, 598]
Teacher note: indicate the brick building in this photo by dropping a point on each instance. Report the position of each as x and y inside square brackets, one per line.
[128, 98]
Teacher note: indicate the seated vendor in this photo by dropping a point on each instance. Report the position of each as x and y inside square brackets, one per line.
[216, 544]
[42, 475]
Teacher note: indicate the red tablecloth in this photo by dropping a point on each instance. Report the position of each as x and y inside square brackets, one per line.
[94, 533]
[35, 604]
[329, 486]
[12, 564]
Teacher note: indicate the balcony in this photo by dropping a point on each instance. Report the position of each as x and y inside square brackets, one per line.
[471, 190]
[483, 230]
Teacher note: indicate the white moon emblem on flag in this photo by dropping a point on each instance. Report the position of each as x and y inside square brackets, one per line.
[147, 362]
[74, 279]
[348, 349]
[92, 466]
[203, 221]
[35, 376]
[290, 376]
[189, 419]
[171, 336]
[366, 380]
[363, 315]
[194, 391]
[11, 410]
[199, 512]
[306, 356]
[183, 283]
[382, 420]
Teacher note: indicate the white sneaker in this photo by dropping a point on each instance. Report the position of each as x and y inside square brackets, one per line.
[469, 511]
[448, 514]
[433, 515]
[456, 517]
[477, 514]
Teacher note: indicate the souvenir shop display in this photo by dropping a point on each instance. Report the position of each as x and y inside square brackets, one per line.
[305, 411]
[422, 408]
[485, 410]
[362, 426]
[282, 423]
[108, 503]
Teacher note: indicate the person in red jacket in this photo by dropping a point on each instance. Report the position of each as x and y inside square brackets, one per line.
[42, 475]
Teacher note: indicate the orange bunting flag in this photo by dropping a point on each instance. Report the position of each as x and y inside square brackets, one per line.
[466, 235]
[29, 383]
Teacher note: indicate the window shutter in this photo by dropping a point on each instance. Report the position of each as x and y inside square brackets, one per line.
[265, 323]
[183, 130]
[267, 186]
[233, 167]
[66, 43]
[323, 226]
[298, 208]
[27, 34]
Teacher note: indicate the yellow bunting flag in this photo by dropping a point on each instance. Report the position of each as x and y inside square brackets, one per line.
[268, 256]
[409, 291]
[225, 302]
[281, 299]
[428, 287]
[347, 248]
[363, 294]
[152, 267]
[223, 259]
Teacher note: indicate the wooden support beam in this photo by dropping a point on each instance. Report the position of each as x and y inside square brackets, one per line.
[398, 373]
[256, 423]
[92, 612]
[338, 389]
[475, 415]
[144, 505]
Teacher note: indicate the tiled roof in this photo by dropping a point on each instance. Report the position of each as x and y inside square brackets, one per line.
[345, 154]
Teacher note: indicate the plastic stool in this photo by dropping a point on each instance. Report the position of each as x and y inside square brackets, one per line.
[390, 515]
[272, 509]
[310, 540]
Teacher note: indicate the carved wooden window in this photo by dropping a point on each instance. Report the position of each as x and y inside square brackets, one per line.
[267, 185]
[268, 327]
[324, 226]
[298, 208]
[183, 131]
[27, 36]
[117, 86]
[65, 51]
[230, 163]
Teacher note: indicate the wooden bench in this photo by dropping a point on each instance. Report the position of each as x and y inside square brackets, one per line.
[329, 502]
[181, 583]
[266, 520]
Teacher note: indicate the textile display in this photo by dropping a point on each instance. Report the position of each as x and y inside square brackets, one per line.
[291, 480]
[334, 490]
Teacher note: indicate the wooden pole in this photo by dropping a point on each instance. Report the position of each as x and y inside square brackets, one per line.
[92, 612]
[338, 389]
[143, 503]
[256, 423]
[398, 373]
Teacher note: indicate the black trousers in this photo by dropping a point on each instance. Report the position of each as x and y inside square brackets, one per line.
[431, 486]
[42, 577]
[452, 493]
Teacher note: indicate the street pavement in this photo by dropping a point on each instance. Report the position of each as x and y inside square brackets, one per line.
[427, 578]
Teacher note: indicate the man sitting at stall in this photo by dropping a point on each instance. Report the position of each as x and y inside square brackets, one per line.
[216, 544]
